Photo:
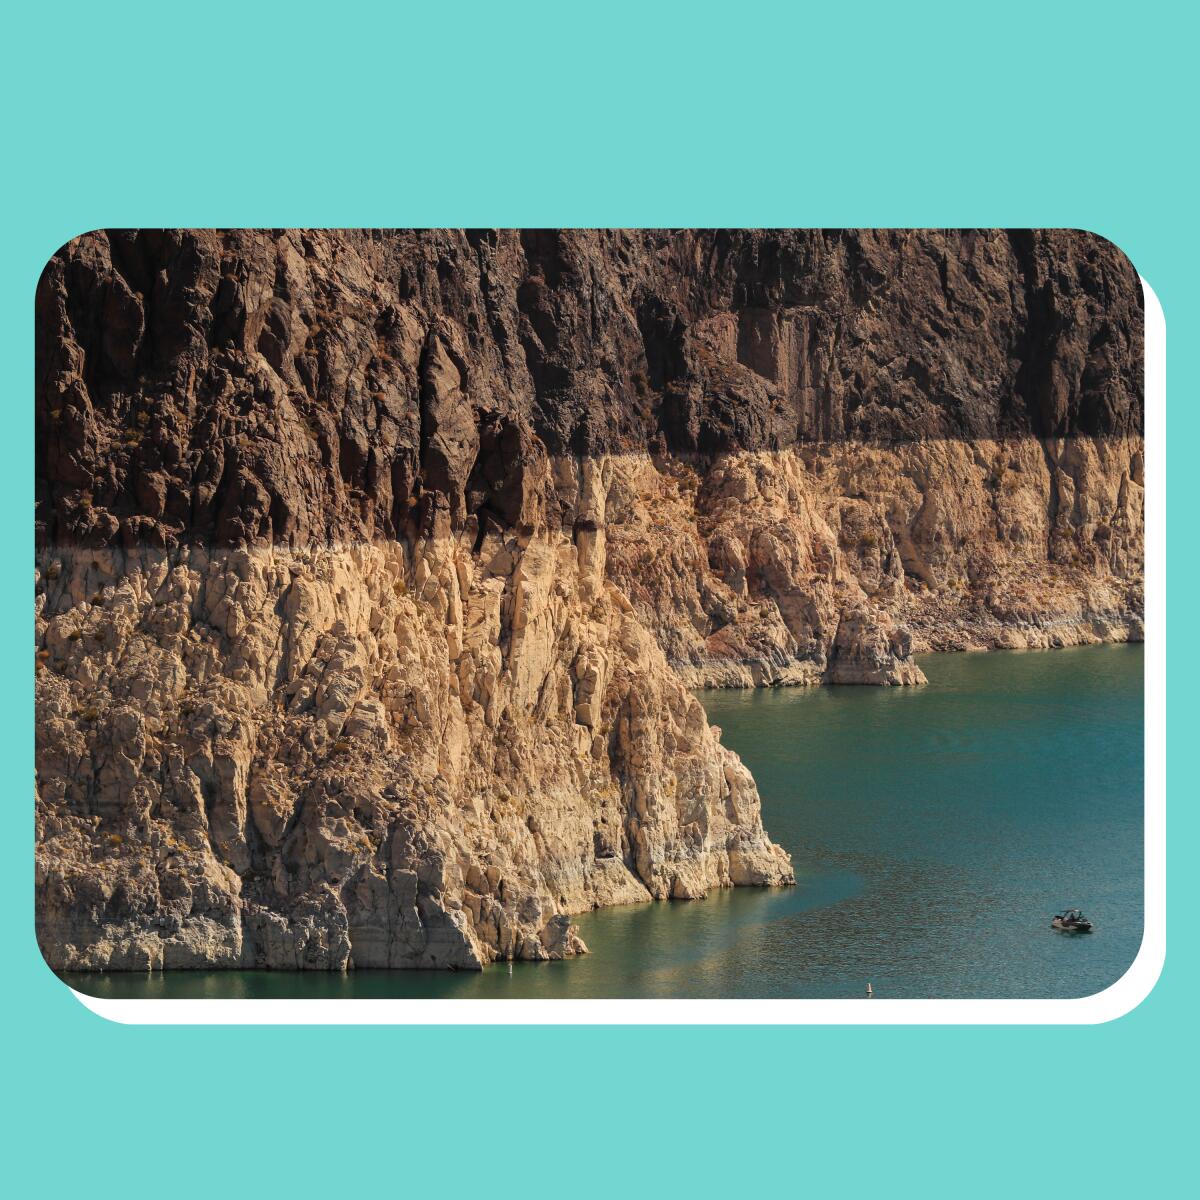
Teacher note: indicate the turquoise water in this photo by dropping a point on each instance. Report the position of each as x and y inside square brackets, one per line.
[934, 831]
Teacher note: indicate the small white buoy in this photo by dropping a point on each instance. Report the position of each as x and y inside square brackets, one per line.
[510, 966]
[870, 990]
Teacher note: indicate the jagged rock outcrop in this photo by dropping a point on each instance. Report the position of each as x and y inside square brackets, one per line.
[834, 563]
[364, 755]
[372, 566]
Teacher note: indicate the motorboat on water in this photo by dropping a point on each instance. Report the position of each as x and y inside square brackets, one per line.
[1071, 920]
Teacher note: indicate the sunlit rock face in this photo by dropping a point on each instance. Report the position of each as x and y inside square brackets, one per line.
[373, 568]
[835, 563]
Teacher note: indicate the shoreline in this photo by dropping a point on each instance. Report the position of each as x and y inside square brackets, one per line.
[739, 675]
[750, 897]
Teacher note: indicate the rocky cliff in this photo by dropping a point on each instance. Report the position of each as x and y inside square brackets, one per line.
[372, 567]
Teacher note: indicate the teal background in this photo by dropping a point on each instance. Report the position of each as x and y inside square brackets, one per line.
[541, 114]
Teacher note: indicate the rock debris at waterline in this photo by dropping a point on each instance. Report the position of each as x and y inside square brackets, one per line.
[372, 568]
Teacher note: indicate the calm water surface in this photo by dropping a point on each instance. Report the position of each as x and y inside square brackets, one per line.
[934, 831]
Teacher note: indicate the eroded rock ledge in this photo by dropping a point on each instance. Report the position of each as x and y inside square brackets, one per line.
[373, 567]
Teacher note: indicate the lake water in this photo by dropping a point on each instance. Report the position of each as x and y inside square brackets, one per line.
[934, 832]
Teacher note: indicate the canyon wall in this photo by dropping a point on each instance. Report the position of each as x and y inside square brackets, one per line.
[373, 567]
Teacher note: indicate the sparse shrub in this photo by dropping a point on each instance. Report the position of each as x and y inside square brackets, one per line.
[90, 713]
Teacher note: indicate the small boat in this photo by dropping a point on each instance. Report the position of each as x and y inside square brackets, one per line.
[1071, 921]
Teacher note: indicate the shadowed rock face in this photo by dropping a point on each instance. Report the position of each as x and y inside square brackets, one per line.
[255, 386]
[372, 565]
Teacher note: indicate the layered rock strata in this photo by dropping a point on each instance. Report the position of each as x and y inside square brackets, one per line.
[373, 567]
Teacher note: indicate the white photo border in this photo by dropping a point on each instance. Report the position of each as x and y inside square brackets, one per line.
[1113, 1002]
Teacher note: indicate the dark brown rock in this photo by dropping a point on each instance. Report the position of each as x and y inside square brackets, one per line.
[253, 385]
